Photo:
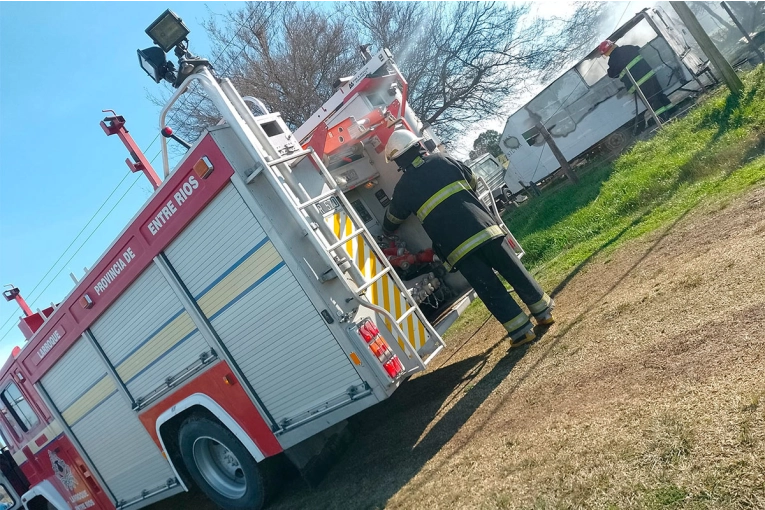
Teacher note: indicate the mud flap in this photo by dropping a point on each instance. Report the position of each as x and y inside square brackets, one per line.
[314, 457]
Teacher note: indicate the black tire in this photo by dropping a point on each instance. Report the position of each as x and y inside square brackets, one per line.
[232, 484]
[616, 142]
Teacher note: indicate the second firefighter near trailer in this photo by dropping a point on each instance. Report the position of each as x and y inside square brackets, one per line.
[440, 191]
[622, 59]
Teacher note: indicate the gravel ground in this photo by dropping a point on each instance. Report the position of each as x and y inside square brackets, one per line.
[649, 392]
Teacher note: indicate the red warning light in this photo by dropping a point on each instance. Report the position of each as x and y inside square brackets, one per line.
[393, 367]
[369, 331]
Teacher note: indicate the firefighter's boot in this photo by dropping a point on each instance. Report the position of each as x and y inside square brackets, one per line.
[523, 336]
[546, 318]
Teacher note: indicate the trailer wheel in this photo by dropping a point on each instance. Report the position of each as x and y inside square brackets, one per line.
[221, 466]
[616, 141]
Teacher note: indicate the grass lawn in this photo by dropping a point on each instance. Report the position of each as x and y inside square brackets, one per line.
[716, 151]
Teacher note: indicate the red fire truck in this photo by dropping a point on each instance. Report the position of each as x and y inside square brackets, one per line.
[249, 308]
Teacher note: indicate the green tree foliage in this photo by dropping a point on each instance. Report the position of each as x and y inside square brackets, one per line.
[488, 141]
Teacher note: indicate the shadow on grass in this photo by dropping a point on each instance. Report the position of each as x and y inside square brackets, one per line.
[487, 385]
[396, 438]
[713, 158]
[396, 442]
[730, 116]
[570, 276]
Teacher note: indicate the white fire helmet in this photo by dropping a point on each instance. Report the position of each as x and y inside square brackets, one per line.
[399, 142]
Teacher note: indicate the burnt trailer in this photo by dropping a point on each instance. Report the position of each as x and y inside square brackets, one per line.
[584, 108]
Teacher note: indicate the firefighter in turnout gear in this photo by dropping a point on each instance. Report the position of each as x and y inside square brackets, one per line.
[440, 191]
[624, 58]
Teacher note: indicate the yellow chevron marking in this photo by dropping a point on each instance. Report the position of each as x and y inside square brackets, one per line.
[410, 326]
[337, 224]
[373, 271]
[388, 293]
[363, 259]
[89, 400]
[348, 231]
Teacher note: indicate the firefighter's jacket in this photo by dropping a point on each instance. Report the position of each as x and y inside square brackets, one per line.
[441, 192]
[623, 58]
[628, 57]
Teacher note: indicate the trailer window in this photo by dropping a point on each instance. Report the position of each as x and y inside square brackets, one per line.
[592, 70]
[533, 137]
[486, 168]
[19, 408]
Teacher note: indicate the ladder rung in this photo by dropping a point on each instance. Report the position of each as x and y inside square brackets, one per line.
[290, 157]
[346, 239]
[433, 354]
[373, 280]
[318, 199]
[409, 312]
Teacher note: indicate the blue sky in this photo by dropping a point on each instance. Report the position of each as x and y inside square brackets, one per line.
[62, 63]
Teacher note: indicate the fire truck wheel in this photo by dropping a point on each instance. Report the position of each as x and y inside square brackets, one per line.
[220, 465]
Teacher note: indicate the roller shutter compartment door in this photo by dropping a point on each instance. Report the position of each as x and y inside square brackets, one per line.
[147, 335]
[103, 422]
[259, 310]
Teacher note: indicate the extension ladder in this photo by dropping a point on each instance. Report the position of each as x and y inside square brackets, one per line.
[404, 319]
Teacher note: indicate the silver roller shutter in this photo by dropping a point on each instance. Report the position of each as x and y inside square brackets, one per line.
[103, 422]
[259, 310]
[147, 335]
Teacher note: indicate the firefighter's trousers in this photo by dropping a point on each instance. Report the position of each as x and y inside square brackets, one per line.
[477, 268]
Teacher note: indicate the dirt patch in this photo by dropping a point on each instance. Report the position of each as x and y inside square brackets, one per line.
[649, 392]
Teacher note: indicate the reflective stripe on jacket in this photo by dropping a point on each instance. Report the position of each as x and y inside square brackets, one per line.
[625, 58]
[441, 193]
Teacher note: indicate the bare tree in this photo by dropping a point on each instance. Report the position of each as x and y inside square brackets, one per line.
[463, 59]
[286, 54]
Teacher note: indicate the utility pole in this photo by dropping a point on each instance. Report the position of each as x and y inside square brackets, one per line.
[557, 153]
[743, 31]
[710, 50]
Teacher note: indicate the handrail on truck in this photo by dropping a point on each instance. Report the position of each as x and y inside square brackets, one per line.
[239, 118]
